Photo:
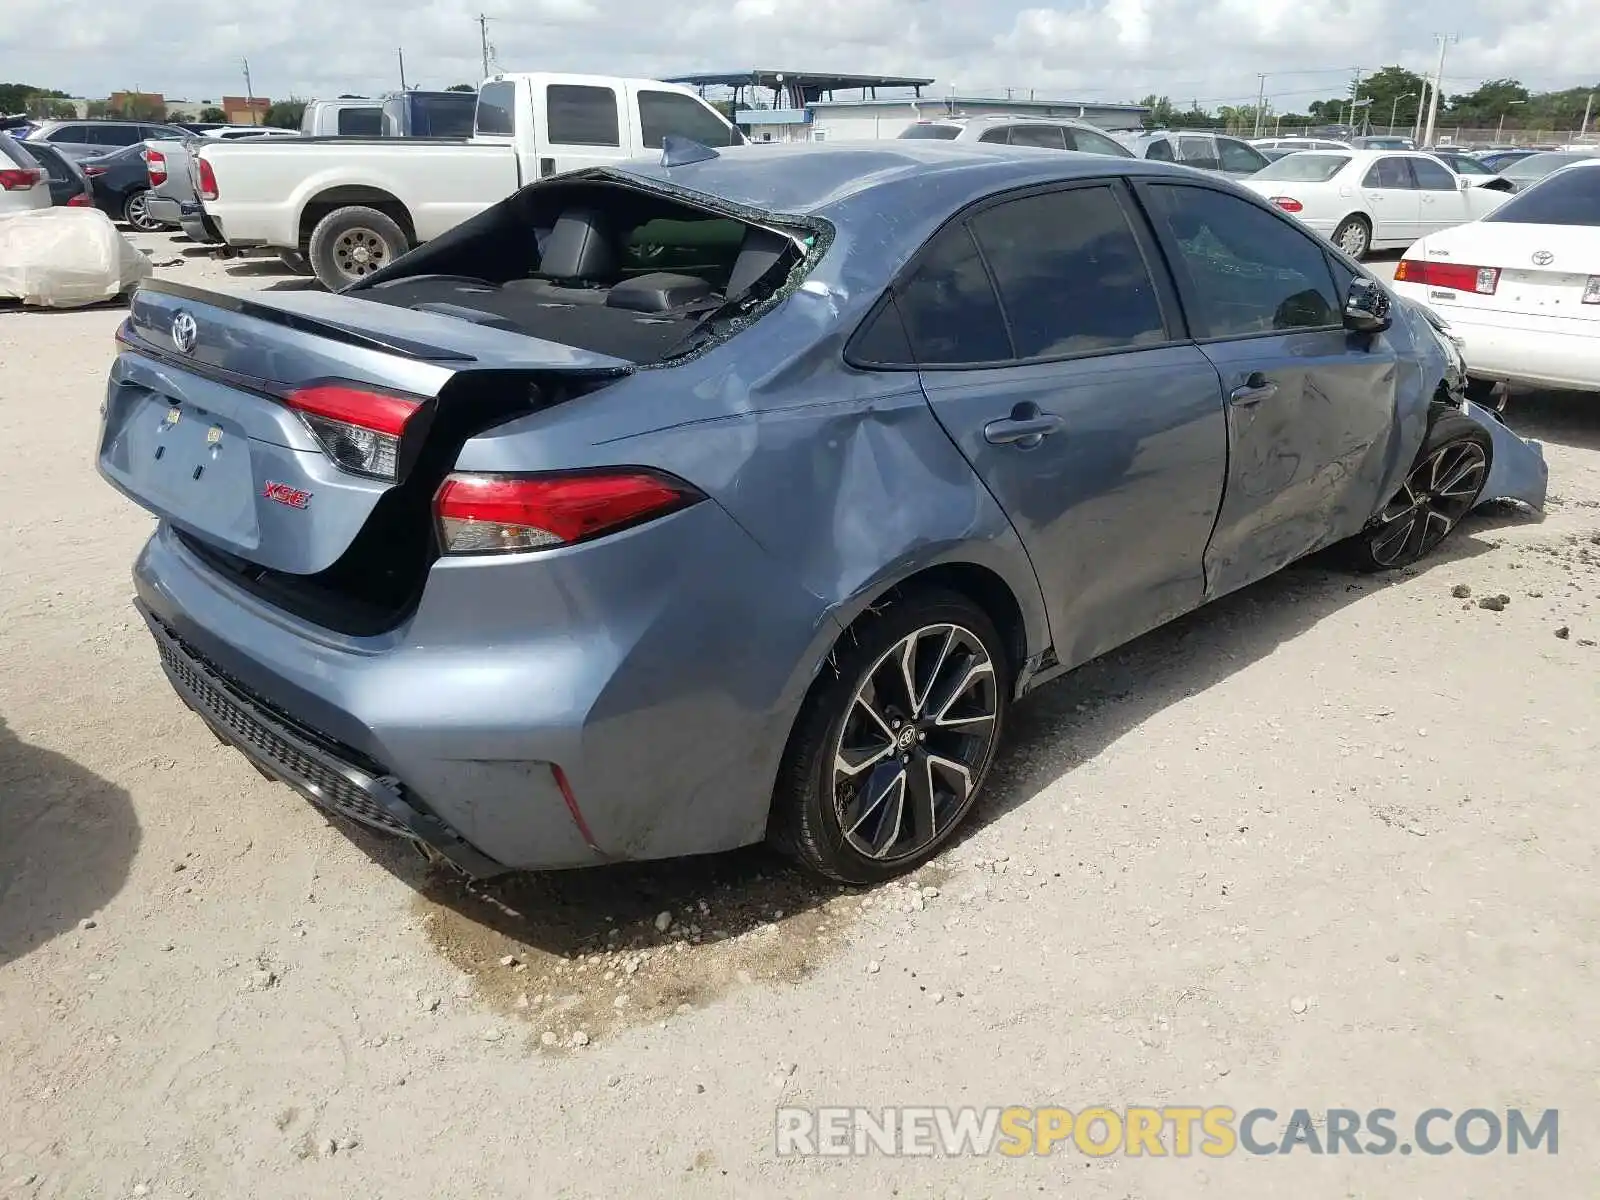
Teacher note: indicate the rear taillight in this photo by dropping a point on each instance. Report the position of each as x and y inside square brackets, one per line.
[208, 180]
[1287, 203]
[497, 514]
[20, 179]
[93, 172]
[81, 200]
[1591, 290]
[157, 164]
[359, 428]
[1455, 277]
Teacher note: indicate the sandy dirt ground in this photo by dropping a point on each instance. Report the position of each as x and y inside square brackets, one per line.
[1327, 843]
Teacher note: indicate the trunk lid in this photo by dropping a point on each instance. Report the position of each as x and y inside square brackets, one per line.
[1544, 269]
[198, 426]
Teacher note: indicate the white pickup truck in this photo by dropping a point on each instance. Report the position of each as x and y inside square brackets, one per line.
[350, 205]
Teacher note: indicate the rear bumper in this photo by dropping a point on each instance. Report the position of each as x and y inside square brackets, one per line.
[1553, 352]
[664, 694]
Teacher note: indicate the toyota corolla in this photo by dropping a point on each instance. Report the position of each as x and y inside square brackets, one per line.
[672, 506]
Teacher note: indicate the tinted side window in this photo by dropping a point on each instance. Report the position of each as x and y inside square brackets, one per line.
[118, 135]
[1431, 177]
[1388, 173]
[882, 340]
[1199, 152]
[1094, 143]
[1070, 274]
[68, 134]
[663, 113]
[1160, 150]
[1236, 156]
[495, 104]
[1047, 136]
[1247, 271]
[361, 122]
[948, 306]
[1001, 135]
[580, 115]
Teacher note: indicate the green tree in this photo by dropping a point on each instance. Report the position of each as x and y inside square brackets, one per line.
[97, 109]
[212, 116]
[286, 114]
[461, 87]
[1493, 99]
[1160, 114]
[15, 97]
[1392, 90]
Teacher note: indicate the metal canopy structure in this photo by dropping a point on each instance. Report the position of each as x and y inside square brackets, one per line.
[797, 89]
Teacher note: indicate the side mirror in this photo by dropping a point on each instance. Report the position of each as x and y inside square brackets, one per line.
[1366, 307]
[1464, 182]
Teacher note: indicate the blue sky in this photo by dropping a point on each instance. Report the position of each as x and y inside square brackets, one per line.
[1210, 50]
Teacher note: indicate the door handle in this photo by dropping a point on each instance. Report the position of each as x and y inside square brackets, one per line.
[1256, 388]
[1025, 427]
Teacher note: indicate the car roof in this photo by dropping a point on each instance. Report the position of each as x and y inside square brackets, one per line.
[1003, 119]
[819, 178]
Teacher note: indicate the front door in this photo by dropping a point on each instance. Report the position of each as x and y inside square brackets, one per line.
[1391, 196]
[1310, 406]
[1444, 200]
[1054, 360]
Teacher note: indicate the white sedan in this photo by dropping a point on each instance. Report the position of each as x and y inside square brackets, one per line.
[1365, 200]
[1520, 289]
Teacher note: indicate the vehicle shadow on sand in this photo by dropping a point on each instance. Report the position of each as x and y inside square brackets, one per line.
[1059, 728]
[1557, 418]
[67, 838]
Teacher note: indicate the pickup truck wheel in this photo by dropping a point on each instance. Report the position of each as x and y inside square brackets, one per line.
[351, 243]
[296, 262]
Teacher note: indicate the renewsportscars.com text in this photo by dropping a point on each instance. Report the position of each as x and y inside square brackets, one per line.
[1156, 1132]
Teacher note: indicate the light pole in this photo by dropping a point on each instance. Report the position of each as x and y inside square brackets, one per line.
[1500, 133]
[1394, 108]
[1444, 41]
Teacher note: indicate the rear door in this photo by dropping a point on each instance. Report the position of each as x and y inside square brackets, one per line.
[1390, 192]
[1310, 406]
[1443, 201]
[1048, 137]
[579, 125]
[1070, 386]
[661, 112]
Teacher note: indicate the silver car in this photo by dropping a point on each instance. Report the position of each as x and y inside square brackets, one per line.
[88, 139]
[1197, 148]
[1050, 133]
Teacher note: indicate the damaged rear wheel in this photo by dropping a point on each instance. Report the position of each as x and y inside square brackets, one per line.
[1442, 488]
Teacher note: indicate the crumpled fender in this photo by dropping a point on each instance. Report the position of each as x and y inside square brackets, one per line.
[1518, 470]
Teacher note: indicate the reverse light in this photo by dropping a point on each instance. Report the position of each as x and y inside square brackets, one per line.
[1591, 290]
[156, 163]
[359, 428]
[1288, 203]
[208, 179]
[20, 179]
[1455, 277]
[498, 514]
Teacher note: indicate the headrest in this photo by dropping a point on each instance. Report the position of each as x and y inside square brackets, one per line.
[760, 249]
[577, 248]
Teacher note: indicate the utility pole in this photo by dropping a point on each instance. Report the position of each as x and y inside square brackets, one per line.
[400, 50]
[1444, 41]
[249, 95]
[1422, 105]
[483, 37]
[1588, 107]
[1261, 98]
[1355, 94]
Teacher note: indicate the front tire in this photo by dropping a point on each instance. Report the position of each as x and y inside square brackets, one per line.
[351, 243]
[1441, 488]
[895, 741]
[1354, 237]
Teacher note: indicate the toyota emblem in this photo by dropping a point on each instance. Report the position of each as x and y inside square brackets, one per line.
[1543, 258]
[184, 331]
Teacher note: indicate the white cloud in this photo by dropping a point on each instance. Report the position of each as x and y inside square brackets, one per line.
[1208, 50]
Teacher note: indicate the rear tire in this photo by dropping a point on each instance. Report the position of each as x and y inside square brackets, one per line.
[135, 212]
[877, 778]
[1441, 488]
[1354, 236]
[351, 243]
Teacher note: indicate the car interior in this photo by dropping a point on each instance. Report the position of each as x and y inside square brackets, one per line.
[597, 266]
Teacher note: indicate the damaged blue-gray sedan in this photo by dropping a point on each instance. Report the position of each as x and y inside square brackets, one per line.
[668, 507]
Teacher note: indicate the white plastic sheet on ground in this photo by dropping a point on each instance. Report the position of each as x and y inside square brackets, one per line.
[66, 257]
